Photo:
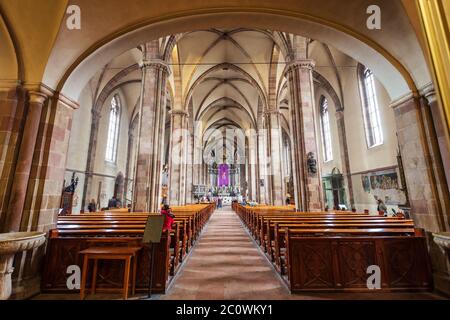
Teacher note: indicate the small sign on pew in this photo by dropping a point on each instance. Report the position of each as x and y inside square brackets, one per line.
[153, 229]
[152, 235]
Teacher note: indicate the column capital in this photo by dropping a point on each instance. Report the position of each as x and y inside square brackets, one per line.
[38, 92]
[37, 97]
[429, 93]
[67, 102]
[179, 112]
[8, 85]
[339, 114]
[301, 64]
[272, 111]
[155, 63]
[403, 100]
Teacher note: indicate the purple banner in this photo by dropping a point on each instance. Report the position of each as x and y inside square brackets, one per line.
[223, 175]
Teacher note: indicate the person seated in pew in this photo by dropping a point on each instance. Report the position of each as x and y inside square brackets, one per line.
[288, 199]
[166, 211]
[253, 203]
[381, 208]
[92, 206]
[113, 203]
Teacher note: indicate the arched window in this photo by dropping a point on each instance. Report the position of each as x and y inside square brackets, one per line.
[326, 131]
[371, 113]
[113, 130]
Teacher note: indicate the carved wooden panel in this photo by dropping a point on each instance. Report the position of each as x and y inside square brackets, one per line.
[339, 264]
[407, 263]
[312, 264]
[354, 258]
[63, 252]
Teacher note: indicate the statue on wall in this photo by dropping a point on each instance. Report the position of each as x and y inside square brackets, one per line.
[311, 163]
[73, 184]
[68, 196]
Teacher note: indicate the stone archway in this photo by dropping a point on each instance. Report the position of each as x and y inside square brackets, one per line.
[385, 65]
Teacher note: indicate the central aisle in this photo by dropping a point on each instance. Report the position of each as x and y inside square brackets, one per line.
[226, 264]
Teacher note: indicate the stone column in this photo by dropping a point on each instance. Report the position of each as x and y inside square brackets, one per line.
[307, 185]
[205, 174]
[197, 157]
[151, 126]
[189, 165]
[345, 156]
[253, 165]
[128, 170]
[247, 177]
[201, 174]
[275, 166]
[12, 110]
[178, 154]
[36, 100]
[441, 129]
[262, 196]
[90, 161]
[425, 178]
[44, 188]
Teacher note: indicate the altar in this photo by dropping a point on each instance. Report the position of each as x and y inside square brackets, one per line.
[224, 183]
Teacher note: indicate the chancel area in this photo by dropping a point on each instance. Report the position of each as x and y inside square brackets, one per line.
[292, 151]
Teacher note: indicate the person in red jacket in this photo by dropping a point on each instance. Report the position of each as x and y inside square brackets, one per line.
[169, 217]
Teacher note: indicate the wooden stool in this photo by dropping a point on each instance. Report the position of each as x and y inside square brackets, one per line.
[110, 253]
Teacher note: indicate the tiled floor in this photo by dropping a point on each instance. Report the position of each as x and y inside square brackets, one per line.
[226, 264]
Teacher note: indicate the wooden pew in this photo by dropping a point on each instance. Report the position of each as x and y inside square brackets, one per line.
[78, 232]
[339, 263]
[267, 226]
[277, 248]
[338, 244]
[273, 234]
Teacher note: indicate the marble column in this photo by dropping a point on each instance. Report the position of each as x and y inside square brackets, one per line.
[425, 178]
[150, 145]
[36, 100]
[12, 108]
[178, 157]
[277, 191]
[307, 185]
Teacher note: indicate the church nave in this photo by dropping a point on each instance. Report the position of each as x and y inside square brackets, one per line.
[294, 150]
[226, 265]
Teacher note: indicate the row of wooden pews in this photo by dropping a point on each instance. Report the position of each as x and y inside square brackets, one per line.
[332, 251]
[75, 233]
